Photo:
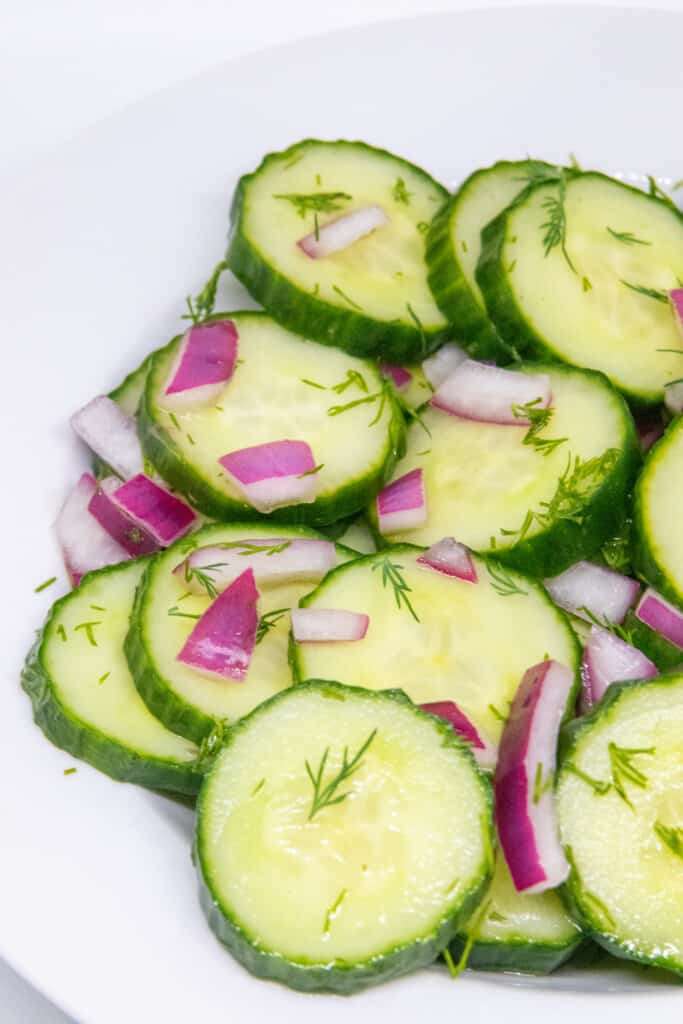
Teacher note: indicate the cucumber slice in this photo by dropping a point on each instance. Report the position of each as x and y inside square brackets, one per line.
[470, 643]
[129, 392]
[83, 695]
[666, 656]
[526, 934]
[454, 245]
[658, 553]
[621, 820]
[373, 885]
[576, 271]
[482, 481]
[163, 617]
[283, 387]
[371, 298]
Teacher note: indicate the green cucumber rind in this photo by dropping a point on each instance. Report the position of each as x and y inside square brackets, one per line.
[666, 656]
[570, 737]
[68, 732]
[351, 977]
[171, 464]
[353, 331]
[519, 956]
[509, 319]
[645, 561]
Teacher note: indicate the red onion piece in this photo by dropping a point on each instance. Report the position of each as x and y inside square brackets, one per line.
[401, 505]
[128, 532]
[111, 434]
[606, 594]
[476, 391]
[608, 659]
[484, 752]
[525, 808]
[342, 232]
[327, 625]
[140, 515]
[451, 558]
[676, 300]
[650, 430]
[662, 616]
[85, 545]
[299, 560]
[274, 474]
[204, 364]
[222, 642]
[400, 376]
[443, 363]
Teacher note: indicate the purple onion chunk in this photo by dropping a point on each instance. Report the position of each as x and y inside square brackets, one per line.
[221, 644]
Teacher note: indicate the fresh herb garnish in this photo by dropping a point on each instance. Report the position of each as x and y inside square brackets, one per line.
[503, 583]
[312, 383]
[191, 439]
[657, 191]
[423, 227]
[650, 293]
[311, 472]
[586, 285]
[541, 787]
[352, 377]
[337, 410]
[401, 193]
[174, 420]
[616, 552]
[346, 298]
[392, 576]
[103, 678]
[45, 585]
[210, 744]
[589, 899]
[200, 573]
[456, 969]
[267, 621]
[334, 910]
[538, 418]
[70, 771]
[496, 917]
[176, 613]
[497, 714]
[258, 787]
[248, 548]
[671, 836]
[61, 632]
[418, 323]
[612, 627]
[599, 787]
[202, 305]
[89, 627]
[98, 608]
[623, 769]
[555, 227]
[315, 202]
[627, 237]
[327, 795]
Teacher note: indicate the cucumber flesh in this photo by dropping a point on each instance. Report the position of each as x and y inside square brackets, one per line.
[164, 616]
[599, 298]
[471, 643]
[282, 388]
[83, 695]
[359, 890]
[658, 543]
[625, 844]
[482, 480]
[372, 297]
[129, 392]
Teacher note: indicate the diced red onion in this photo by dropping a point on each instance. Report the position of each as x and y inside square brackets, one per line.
[607, 595]
[443, 363]
[204, 364]
[673, 396]
[400, 376]
[222, 642]
[140, 515]
[327, 625]
[476, 391]
[299, 560]
[525, 808]
[451, 558]
[401, 505]
[85, 545]
[650, 430]
[676, 300]
[662, 616]
[273, 474]
[111, 434]
[484, 752]
[342, 232]
[609, 659]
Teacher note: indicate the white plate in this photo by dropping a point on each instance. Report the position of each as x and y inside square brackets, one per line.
[97, 892]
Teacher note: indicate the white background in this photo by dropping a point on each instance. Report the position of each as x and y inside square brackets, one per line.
[66, 64]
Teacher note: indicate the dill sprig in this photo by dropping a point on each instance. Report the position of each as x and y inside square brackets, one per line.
[650, 293]
[347, 298]
[311, 472]
[267, 621]
[378, 396]
[201, 307]
[418, 323]
[334, 909]
[392, 576]
[627, 237]
[176, 613]
[314, 202]
[400, 193]
[210, 745]
[327, 795]
[245, 547]
[88, 627]
[352, 377]
[658, 192]
[541, 786]
[456, 969]
[555, 227]
[539, 418]
[44, 585]
[61, 632]
[504, 584]
[612, 627]
[623, 771]
[671, 837]
[200, 573]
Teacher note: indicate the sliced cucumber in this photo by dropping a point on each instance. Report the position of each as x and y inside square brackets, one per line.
[83, 695]
[488, 488]
[470, 643]
[658, 552]
[514, 932]
[371, 298]
[343, 894]
[454, 245]
[621, 820]
[129, 392]
[579, 270]
[165, 614]
[284, 387]
[666, 656]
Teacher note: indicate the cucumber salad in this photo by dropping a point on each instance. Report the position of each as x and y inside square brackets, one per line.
[407, 621]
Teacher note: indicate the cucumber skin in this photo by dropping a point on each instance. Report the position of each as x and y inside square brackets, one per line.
[521, 957]
[644, 559]
[570, 735]
[666, 656]
[509, 320]
[350, 978]
[163, 453]
[353, 331]
[87, 743]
